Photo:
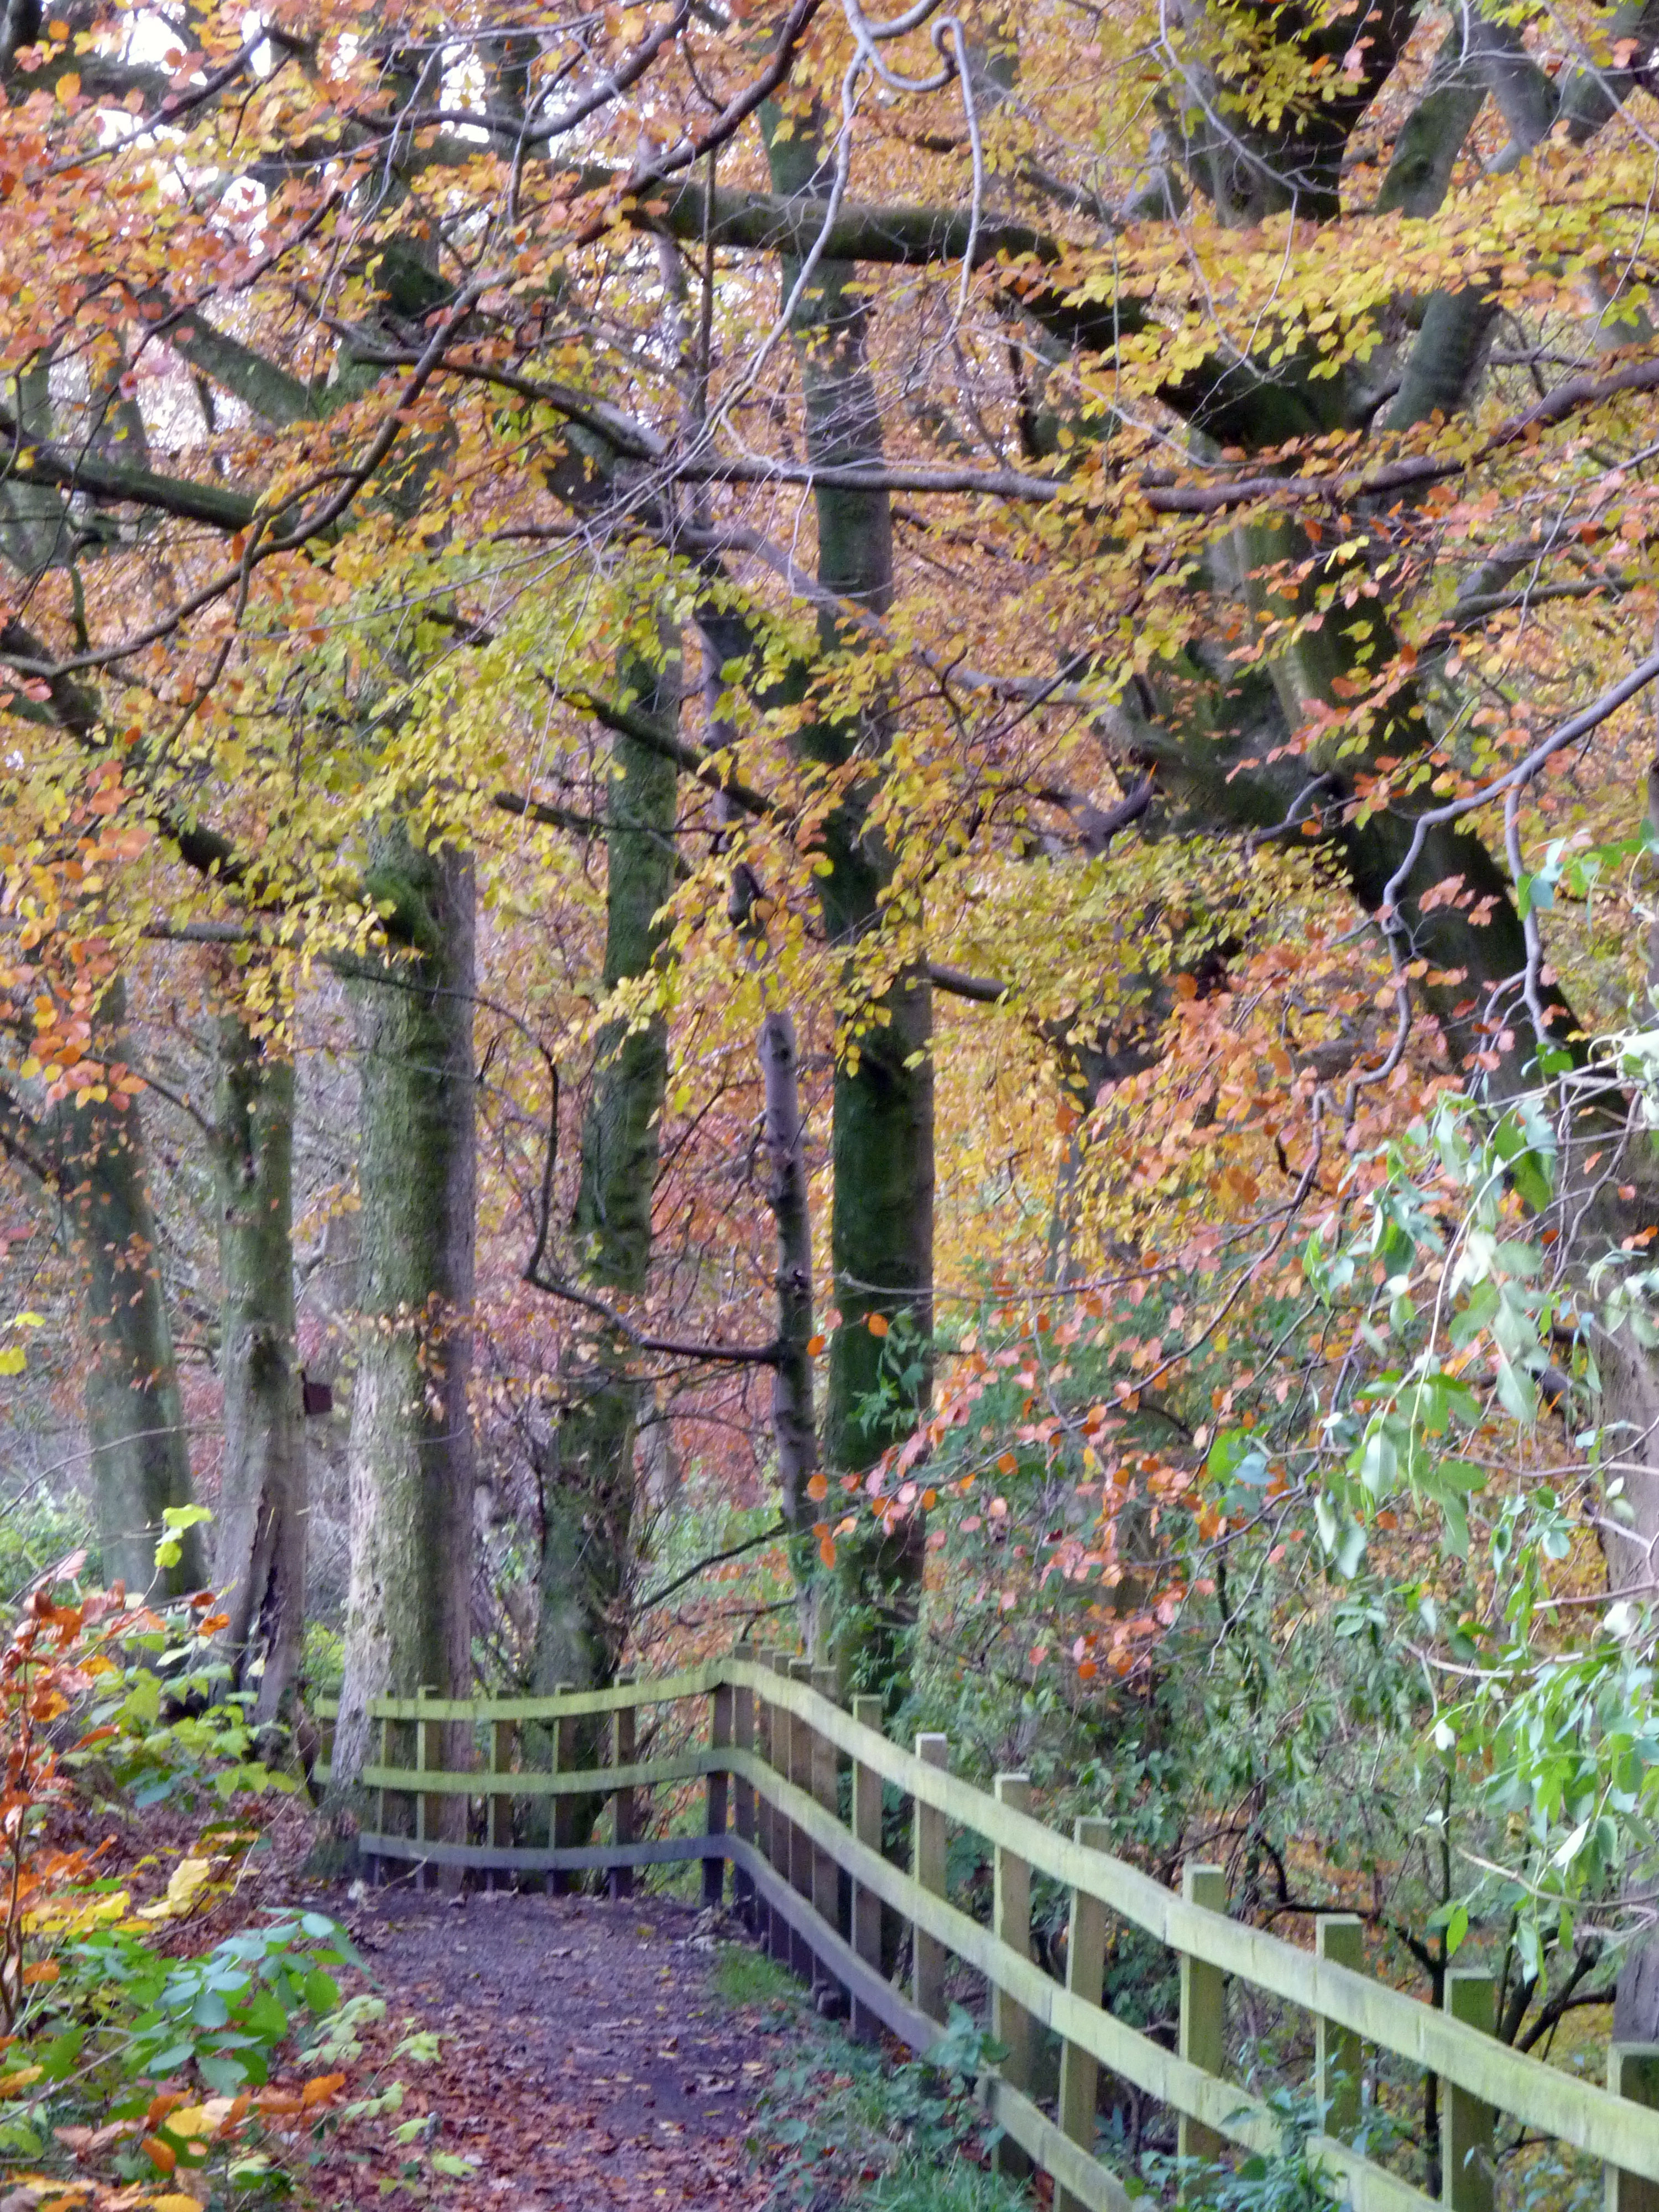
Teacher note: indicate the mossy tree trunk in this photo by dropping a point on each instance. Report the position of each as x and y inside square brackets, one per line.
[882, 1133]
[259, 1556]
[410, 1452]
[783, 1140]
[587, 1489]
[92, 1154]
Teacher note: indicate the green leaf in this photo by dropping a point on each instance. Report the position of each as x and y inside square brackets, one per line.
[224, 2073]
[322, 1993]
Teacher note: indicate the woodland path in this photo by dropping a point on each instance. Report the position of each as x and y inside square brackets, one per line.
[586, 2061]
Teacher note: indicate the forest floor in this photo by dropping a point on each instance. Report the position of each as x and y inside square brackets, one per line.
[584, 2059]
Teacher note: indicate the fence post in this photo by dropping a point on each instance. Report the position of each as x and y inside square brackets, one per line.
[743, 1792]
[869, 1713]
[622, 1754]
[826, 1874]
[1338, 2056]
[1010, 1924]
[498, 1823]
[565, 1754]
[719, 1739]
[1632, 2072]
[781, 1752]
[1085, 1977]
[428, 1808]
[380, 1800]
[1203, 2008]
[927, 1867]
[1466, 2120]
[802, 1737]
[763, 1659]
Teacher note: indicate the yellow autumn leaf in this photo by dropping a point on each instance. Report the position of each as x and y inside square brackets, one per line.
[184, 1887]
[199, 2122]
[66, 1916]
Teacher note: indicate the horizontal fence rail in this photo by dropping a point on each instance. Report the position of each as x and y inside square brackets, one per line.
[772, 1761]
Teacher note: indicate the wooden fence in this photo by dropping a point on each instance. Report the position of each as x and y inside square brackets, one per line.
[771, 1755]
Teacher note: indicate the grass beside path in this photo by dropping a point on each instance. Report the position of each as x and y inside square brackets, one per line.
[849, 2123]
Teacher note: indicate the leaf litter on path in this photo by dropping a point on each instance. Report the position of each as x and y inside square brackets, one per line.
[584, 2060]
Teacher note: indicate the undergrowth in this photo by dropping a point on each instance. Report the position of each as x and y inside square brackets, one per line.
[842, 2122]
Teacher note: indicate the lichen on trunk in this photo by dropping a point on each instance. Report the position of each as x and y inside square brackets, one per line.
[410, 1454]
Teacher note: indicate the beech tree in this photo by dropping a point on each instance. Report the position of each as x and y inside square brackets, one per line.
[1163, 507]
[259, 1550]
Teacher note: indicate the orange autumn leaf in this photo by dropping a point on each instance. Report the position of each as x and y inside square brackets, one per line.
[817, 1486]
[878, 1324]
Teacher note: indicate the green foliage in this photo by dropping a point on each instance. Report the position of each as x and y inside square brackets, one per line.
[836, 2115]
[901, 1370]
[322, 1664]
[37, 1530]
[1287, 2180]
[120, 2016]
[164, 1729]
[919, 2184]
[744, 1978]
[175, 1520]
[1558, 1736]
[223, 2015]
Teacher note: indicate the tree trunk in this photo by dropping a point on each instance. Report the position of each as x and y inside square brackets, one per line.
[794, 1422]
[139, 1448]
[259, 1560]
[881, 1145]
[408, 1611]
[587, 1503]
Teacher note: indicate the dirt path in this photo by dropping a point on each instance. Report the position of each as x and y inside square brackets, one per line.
[586, 2061]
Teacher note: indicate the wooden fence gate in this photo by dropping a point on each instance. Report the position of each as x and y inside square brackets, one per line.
[769, 1741]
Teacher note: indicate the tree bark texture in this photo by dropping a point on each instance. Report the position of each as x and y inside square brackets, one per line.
[410, 1452]
[139, 1447]
[260, 1559]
